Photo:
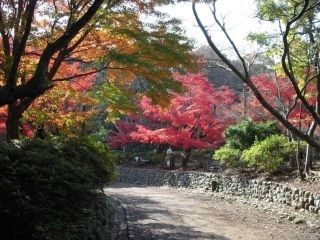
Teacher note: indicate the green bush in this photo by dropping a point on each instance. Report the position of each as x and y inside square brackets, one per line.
[242, 135]
[229, 157]
[269, 154]
[105, 154]
[48, 190]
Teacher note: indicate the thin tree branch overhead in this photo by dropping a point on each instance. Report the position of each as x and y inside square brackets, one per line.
[246, 78]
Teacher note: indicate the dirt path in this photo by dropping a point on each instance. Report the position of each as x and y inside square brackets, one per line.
[162, 213]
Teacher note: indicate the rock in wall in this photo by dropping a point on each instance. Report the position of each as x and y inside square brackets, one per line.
[249, 188]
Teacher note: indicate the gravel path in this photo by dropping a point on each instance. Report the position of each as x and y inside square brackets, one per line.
[165, 213]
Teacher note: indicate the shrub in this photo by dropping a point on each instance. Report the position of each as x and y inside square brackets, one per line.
[229, 157]
[269, 154]
[266, 129]
[241, 136]
[103, 152]
[48, 190]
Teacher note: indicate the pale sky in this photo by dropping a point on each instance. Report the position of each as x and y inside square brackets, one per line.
[238, 15]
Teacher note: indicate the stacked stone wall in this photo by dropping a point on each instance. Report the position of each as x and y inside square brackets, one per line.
[218, 183]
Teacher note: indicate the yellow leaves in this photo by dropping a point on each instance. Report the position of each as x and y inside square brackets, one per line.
[65, 109]
[118, 42]
[120, 75]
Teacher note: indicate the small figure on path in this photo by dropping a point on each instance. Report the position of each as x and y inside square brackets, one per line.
[168, 159]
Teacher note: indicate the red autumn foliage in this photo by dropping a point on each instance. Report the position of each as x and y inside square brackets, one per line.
[194, 119]
[278, 91]
[3, 118]
[121, 136]
[26, 129]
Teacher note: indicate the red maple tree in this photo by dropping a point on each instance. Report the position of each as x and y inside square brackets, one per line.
[193, 119]
[280, 94]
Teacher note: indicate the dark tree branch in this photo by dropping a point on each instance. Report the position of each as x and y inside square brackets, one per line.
[215, 48]
[296, 98]
[62, 54]
[38, 84]
[17, 53]
[234, 47]
[61, 43]
[287, 63]
[80, 75]
[4, 36]
[256, 92]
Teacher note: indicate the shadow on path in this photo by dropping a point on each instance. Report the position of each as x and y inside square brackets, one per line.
[153, 217]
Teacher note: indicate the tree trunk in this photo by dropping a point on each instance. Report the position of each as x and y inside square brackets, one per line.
[84, 129]
[244, 100]
[298, 160]
[313, 127]
[15, 111]
[308, 158]
[185, 158]
[298, 154]
[12, 123]
[292, 158]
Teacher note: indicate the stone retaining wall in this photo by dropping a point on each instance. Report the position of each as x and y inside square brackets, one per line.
[255, 189]
[102, 223]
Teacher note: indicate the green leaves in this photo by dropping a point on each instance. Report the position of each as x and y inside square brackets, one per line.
[229, 157]
[271, 10]
[241, 136]
[250, 144]
[115, 98]
[301, 51]
[269, 154]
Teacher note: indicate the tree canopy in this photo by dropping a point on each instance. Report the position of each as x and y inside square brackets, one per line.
[43, 42]
[194, 118]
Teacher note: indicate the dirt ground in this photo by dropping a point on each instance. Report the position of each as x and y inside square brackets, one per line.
[165, 213]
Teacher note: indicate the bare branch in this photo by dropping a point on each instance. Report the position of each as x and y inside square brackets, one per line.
[214, 47]
[82, 74]
[17, 53]
[4, 36]
[287, 63]
[35, 86]
[246, 79]
[222, 27]
[63, 53]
